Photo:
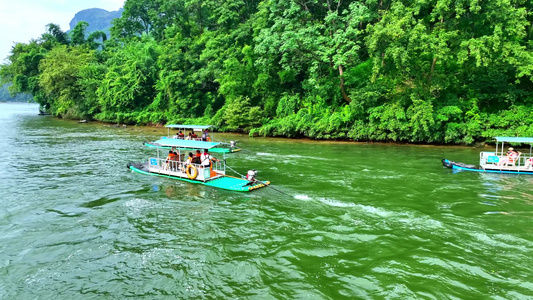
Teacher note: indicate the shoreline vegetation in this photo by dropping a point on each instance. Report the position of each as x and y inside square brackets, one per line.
[162, 130]
[388, 71]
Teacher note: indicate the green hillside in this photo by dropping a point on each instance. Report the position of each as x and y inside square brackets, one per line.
[410, 71]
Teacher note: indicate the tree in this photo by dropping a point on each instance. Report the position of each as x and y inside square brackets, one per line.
[77, 35]
[60, 78]
[54, 34]
[129, 82]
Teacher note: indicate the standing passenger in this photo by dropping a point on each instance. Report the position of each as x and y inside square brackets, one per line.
[205, 136]
[207, 159]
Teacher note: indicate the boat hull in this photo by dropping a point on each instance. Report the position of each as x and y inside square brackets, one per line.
[465, 167]
[223, 182]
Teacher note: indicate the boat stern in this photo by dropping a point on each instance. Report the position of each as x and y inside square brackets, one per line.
[259, 185]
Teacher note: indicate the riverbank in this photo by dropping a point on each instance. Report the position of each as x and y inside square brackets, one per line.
[227, 136]
[160, 129]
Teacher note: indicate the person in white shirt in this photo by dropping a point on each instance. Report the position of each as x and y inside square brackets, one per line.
[206, 159]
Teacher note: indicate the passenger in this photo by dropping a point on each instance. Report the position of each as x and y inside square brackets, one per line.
[181, 135]
[197, 159]
[511, 157]
[170, 159]
[189, 137]
[189, 159]
[205, 136]
[187, 162]
[194, 136]
[207, 159]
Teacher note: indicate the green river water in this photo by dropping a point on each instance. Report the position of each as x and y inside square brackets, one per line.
[352, 221]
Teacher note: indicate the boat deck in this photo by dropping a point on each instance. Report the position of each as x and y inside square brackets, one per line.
[222, 181]
[507, 168]
[235, 184]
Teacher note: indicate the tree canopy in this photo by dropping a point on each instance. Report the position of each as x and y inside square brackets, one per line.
[413, 71]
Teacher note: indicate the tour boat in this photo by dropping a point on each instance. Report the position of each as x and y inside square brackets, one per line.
[214, 176]
[498, 161]
[221, 148]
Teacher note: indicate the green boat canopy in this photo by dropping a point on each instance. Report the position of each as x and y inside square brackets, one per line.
[183, 144]
[514, 139]
[181, 126]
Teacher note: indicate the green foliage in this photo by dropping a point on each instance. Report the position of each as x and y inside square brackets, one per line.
[239, 115]
[77, 35]
[129, 82]
[60, 78]
[405, 71]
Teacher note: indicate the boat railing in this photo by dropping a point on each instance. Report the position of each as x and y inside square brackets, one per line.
[199, 139]
[490, 158]
[171, 167]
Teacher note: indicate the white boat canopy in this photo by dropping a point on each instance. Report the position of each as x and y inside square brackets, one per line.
[500, 139]
[190, 144]
[181, 126]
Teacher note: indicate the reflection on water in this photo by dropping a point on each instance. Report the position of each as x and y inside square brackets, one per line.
[342, 220]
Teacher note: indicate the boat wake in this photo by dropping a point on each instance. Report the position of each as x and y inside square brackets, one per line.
[302, 197]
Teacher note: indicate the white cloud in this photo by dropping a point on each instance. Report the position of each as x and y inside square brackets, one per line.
[23, 20]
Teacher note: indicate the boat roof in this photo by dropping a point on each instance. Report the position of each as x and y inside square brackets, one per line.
[184, 144]
[182, 126]
[514, 139]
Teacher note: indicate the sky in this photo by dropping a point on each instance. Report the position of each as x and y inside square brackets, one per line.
[23, 20]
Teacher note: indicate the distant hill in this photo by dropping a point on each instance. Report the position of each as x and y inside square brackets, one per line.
[98, 19]
[4, 95]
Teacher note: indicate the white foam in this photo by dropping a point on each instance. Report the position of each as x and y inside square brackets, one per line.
[264, 154]
[336, 203]
[302, 197]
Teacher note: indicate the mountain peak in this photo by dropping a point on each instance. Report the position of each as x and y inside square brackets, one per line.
[98, 19]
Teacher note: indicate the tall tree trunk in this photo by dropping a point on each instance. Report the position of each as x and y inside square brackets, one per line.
[343, 90]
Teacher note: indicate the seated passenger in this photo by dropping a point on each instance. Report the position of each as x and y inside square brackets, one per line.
[189, 137]
[511, 157]
[183, 166]
[197, 158]
[189, 159]
[170, 158]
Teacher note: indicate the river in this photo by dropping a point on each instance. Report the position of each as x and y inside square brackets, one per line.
[342, 221]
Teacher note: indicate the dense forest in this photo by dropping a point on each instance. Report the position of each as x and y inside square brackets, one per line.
[428, 71]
